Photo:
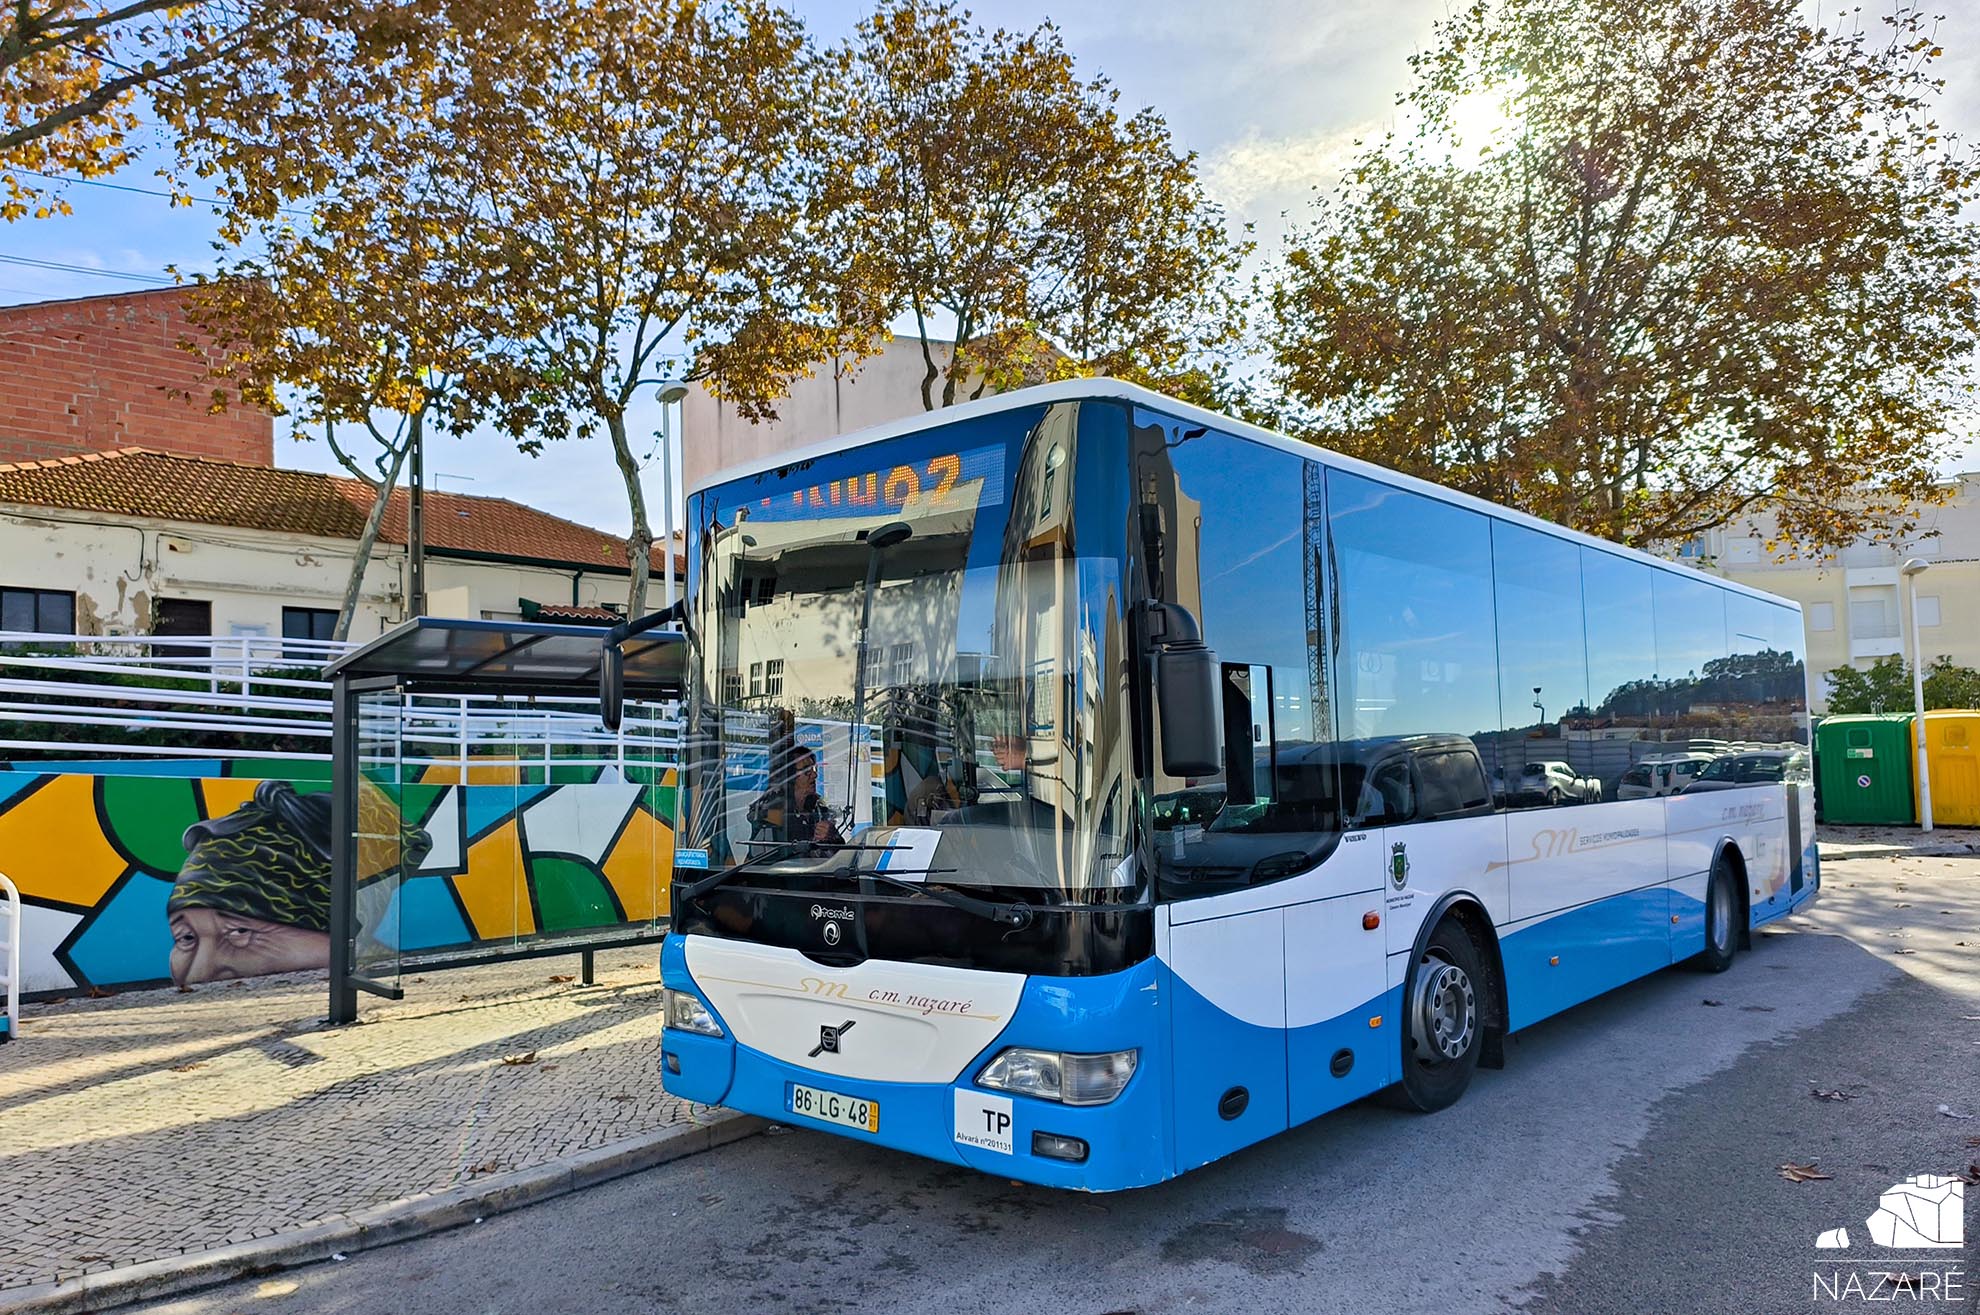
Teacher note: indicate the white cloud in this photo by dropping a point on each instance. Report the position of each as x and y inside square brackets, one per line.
[1257, 168]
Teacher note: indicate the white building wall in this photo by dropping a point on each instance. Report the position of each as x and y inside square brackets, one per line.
[119, 568]
[1855, 603]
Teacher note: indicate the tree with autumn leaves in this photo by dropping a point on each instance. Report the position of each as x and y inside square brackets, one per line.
[1647, 269]
[681, 191]
[996, 189]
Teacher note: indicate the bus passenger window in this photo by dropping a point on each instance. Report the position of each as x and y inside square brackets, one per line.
[1389, 797]
[1453, 785]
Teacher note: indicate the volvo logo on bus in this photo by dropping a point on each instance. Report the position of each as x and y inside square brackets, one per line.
[828, 1038]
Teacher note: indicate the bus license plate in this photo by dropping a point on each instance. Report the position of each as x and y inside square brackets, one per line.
[831, 1107]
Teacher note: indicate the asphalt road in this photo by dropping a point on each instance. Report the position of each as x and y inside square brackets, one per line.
[1624, 1161]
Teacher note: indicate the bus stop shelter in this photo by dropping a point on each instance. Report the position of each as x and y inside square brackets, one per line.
[481, 808]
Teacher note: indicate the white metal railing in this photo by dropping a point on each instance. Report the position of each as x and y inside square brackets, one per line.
[261, 697]
[10, 958]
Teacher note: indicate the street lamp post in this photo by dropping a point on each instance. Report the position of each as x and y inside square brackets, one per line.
[671, 393]
[1911, 570]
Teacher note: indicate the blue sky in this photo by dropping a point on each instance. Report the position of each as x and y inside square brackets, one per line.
[1271, 95]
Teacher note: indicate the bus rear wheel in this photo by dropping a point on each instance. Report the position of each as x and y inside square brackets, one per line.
[1443, 1022]
[1721, 918]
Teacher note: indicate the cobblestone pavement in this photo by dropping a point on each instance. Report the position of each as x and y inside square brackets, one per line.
[156, 1122]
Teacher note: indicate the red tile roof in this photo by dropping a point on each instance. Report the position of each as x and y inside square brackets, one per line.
[140, 482]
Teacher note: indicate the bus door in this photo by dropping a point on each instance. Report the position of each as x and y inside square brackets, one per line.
[1336, 983]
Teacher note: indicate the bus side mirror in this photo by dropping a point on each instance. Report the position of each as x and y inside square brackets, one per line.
[1186, 691]
[611, 686]
[1189, 694]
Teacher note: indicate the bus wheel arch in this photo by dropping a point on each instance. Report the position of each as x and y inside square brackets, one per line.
[1463, 1002]
[1728, 872]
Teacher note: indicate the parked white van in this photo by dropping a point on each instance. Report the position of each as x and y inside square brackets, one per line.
[1655, 777]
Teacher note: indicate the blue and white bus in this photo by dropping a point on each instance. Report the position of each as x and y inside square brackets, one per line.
[1082, 786]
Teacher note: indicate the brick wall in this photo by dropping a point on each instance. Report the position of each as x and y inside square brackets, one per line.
[96, 374]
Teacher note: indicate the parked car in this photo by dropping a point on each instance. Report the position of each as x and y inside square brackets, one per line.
[1759, 768]
[1553, 783]
[1654, 778]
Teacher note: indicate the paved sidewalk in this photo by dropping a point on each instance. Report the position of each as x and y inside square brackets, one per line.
[1896, 841]
[157, 1123]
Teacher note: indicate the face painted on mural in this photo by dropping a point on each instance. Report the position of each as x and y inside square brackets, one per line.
[211, 946]
[253, 895]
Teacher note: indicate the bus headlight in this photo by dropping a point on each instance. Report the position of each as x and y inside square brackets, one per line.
[686, 1013]
[1054, 1075]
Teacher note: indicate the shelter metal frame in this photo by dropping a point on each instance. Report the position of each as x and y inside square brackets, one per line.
[434, 655]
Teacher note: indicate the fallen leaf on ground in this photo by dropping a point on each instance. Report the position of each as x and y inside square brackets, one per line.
[1973, 1141]
[1820, 1094]
[563, 977]
[527, 1057]
[1802, 1173]
[1756, 1009]
[623, 1096]
[1712, 1003]
[91, 1256]
[1904, 951]
[1952, 1113]
[486, 1166]
[187, 1068]
[98, 993]
[1970, 1175]
[183, 990]
[547, 1068]
[1900, 906]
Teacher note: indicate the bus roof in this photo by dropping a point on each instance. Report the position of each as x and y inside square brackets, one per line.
[1103, 389]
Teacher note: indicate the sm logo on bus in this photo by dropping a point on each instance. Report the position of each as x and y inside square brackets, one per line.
[820, 987]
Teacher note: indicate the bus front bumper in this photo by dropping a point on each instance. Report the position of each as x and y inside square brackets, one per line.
[1124, 1143]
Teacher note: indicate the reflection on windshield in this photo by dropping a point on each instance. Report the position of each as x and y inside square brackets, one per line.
[910, 665]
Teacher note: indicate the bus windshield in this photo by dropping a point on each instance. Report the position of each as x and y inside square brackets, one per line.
[910, 663]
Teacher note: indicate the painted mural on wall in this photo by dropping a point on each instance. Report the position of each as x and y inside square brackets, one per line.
[141, 879]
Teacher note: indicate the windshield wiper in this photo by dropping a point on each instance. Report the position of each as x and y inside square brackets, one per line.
[1016, 915]
[695, 890]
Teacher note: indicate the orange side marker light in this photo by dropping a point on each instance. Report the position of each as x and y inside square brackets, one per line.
[1370, 921]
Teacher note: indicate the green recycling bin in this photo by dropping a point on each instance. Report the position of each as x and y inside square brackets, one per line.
[1863, 764]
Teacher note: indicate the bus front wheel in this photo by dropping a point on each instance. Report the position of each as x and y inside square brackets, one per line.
[1443, 1021]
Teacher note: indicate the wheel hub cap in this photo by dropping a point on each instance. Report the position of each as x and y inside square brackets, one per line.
[1446, 1011]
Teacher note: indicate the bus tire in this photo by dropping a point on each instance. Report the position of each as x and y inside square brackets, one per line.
[1721, 917]
[1443, 1021]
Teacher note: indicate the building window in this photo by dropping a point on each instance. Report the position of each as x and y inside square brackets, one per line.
[309, 623]
[182, 616]
[1928, 610]
[756, 680]
[900, 664]
[1873, 612]
[732, 687]
[766, 589]
[41, 611]
[773, 677]
[1821, 616]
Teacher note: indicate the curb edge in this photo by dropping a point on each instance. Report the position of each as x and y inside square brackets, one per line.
[376, 1226]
